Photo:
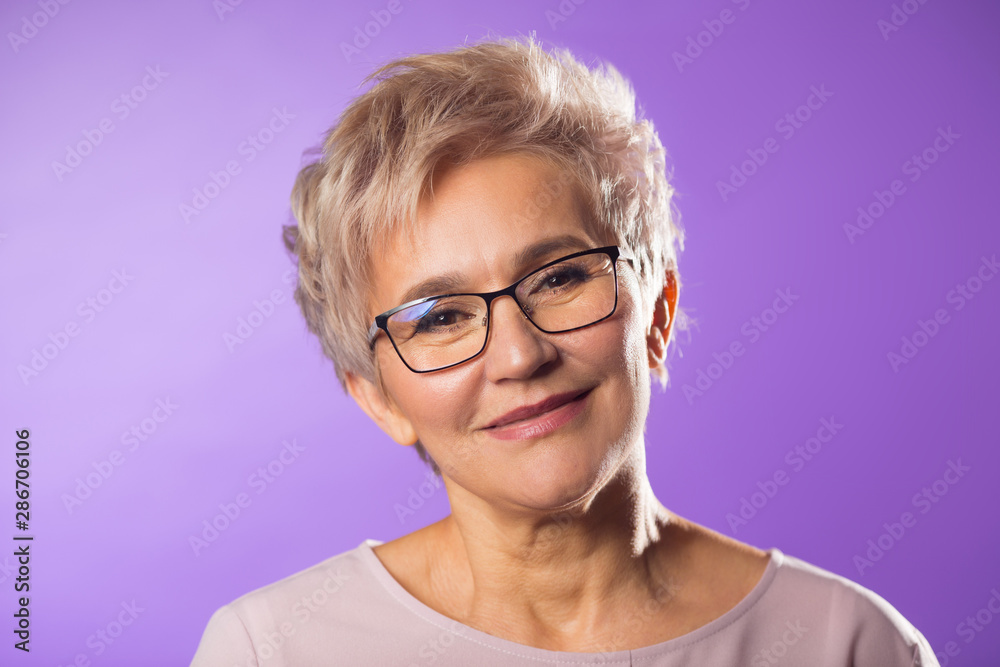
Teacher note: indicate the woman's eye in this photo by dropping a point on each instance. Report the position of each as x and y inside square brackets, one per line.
[444, 318]
[561, 279]
[558, 280]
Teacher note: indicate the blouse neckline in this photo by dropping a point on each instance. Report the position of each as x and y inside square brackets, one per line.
[365, 550]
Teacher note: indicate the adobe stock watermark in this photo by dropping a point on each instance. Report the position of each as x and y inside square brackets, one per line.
[796, 459]
[223, 7]
[363, 35]
[88, 309]
[268, 643]
[635, 619]
[714, 27]
[898, 17]
[248, 149]
[437, 645]
[548, 535]
[915, 167]
[970, 628]
[30, 25]
[545, 195]
[262, 311]
[416, 498]
[122, 107]
[924, 500]
[105, 468]
[7, 569]
[787, 125]
[562, 12]
[752, 329]
[958, 297]
[773, 654]
[105, 636]
[259, 481]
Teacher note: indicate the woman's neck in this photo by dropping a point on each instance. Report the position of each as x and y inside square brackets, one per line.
[563, 579]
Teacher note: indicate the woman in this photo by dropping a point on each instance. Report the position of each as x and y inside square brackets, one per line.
[488, 252]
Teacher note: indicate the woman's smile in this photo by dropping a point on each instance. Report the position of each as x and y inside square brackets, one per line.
[542, 423]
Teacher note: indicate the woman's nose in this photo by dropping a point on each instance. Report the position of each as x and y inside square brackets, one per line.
[515, 347]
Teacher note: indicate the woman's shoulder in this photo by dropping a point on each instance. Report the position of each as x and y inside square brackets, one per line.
[798, 602]
[280, 614]
[845, 602]
[783, 575]
[839, 609]
[323, 579]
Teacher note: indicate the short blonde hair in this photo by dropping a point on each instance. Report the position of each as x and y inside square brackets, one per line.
[427, 111]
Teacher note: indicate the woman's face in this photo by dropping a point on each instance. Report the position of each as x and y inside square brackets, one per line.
[481, 217]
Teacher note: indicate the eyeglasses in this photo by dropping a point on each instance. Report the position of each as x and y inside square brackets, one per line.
[439, 332]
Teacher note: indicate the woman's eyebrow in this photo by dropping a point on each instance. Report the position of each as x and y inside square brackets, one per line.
[452, 282]
[537, 251]
[446, 283]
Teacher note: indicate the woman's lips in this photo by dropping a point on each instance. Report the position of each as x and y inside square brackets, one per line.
[541, 423]
[531, 411]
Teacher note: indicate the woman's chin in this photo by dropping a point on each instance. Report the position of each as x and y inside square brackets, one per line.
[553, 482]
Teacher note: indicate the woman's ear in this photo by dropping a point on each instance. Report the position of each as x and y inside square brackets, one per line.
[663, 321]
[381, 409]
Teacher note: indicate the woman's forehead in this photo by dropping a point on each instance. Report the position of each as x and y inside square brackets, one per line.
[510, 261]
[472, 267]
[489, 220]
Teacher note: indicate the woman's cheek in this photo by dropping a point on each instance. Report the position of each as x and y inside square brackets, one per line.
[443, 405]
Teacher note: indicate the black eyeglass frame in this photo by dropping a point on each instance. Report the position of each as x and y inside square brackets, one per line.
[381, 321]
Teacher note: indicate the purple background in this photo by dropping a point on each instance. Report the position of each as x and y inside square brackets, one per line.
[162, 337]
